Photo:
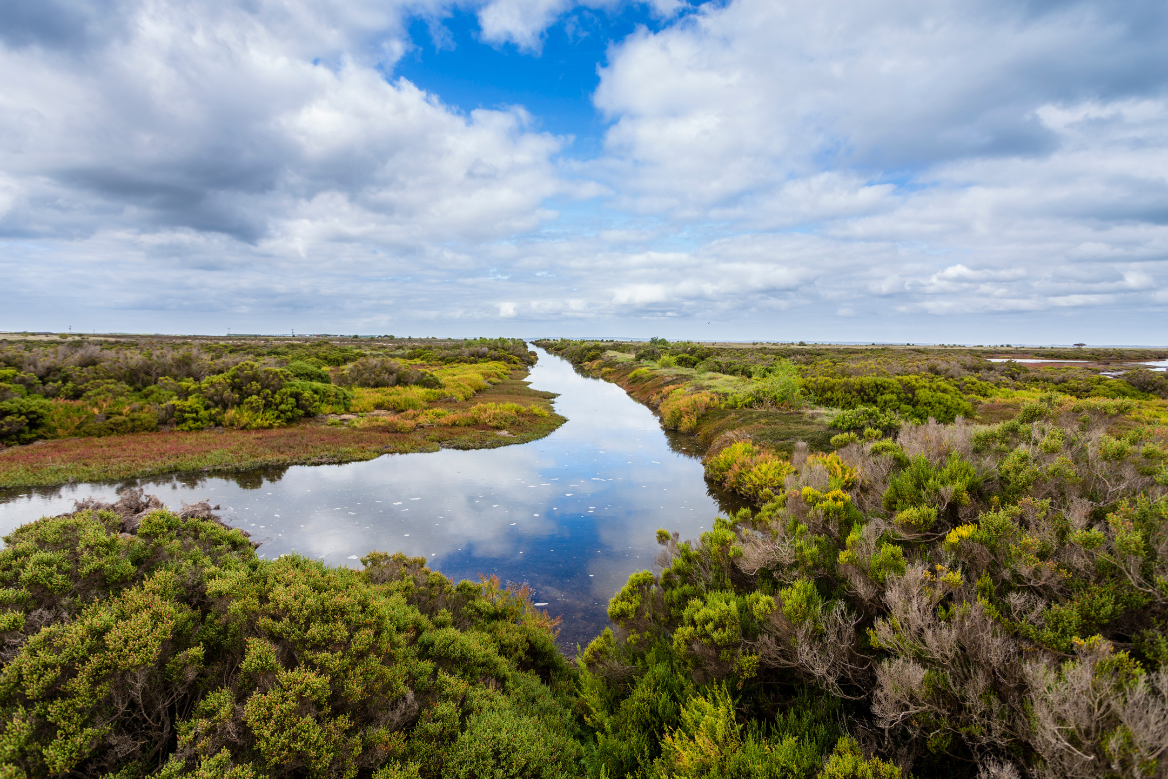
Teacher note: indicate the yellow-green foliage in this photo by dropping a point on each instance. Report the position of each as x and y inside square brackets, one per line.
[177, 647]
[959, 584]
[396, 424]
[718, 466]
[682, 410]
[706, 740]
[801, 602]
[496, 415]
[367, 399]
[463, 381]
[840, 475]
[748, 470]
[712, 621]
[460, 381]
[847, 762]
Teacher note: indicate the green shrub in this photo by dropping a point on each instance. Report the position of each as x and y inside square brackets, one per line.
[308, 372]
[914, 397]
[22, 419]
[175, 646]
[847, 762]
[777, 386]
[862, 418]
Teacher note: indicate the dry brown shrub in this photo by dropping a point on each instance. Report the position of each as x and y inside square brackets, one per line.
[824, 650]
[935, 441]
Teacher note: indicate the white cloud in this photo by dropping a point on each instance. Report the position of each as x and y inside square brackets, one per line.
[768, 164]
[208, 117]
[979, 157]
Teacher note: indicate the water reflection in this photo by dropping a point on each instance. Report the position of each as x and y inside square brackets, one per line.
[572, 514]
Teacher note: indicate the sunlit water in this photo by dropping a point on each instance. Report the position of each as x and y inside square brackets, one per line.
[572, 514]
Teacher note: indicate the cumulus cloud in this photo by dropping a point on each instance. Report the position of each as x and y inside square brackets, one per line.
[833, 170]
[206, 117]
[979, 157]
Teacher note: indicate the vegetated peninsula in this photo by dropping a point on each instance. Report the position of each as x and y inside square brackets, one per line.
[117, 407]
[948, 567]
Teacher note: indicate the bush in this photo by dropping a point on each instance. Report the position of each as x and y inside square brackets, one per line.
[254, 397]
[862, 418]
[23, 419]
[941, 583]
[780, 386]
[682, 410]
[744, 468]
[914, 397]
[308, 372]
[375, 372]
[1151, 382]
[144, 639]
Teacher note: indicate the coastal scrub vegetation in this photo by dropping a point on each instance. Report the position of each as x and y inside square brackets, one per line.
[126, 385]
[982, 596]
[306, 401]
[142, 642]
[779, 395]
[969, 579]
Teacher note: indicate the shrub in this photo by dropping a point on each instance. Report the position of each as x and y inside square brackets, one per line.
[23, 419]
[861, 418]
[779, 386]
[682, 410]
[308, 372]
[166, 642]
[913, 396]
[1143, 380]
[744, 468]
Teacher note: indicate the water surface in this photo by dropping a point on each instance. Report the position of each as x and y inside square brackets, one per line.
[572, 514]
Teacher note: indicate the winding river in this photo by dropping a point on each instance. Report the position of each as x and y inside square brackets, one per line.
[572, 514]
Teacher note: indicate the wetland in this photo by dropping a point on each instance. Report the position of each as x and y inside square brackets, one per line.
[704, 560]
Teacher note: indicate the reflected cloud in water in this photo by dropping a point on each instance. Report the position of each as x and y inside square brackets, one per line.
[572, 514]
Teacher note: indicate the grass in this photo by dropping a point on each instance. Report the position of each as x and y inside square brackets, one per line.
[471, 423]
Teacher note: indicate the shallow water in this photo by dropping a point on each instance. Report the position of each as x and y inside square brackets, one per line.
[572, 514]
[1154, 365]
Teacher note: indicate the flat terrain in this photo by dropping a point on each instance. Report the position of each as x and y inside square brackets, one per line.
[335, 438]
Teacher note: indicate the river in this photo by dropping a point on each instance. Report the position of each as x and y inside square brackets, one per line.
[571, 515]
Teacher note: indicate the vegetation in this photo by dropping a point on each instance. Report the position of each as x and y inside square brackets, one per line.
[778, 396]
[136, 407]
[141, 642]
[977, 596]
[984, 594]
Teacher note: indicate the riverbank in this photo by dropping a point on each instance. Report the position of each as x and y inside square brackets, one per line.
[767, 404]
[507, 412]
[1031, 552]
[696, 408]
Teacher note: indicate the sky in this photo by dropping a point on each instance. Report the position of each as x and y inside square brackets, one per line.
[973, 172]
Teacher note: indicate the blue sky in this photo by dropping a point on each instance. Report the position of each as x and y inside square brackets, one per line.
[448, 58]
[898, 170]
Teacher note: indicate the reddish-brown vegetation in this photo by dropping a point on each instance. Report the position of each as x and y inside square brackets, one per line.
[149, 454]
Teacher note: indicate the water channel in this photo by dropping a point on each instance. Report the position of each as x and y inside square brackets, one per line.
[572, 514]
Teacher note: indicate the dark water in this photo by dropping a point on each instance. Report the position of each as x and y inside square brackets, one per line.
[572, 514]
